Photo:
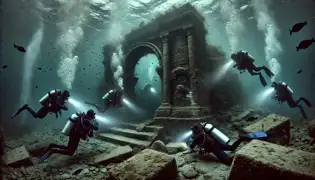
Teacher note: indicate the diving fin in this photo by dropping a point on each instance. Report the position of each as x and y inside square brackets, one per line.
[303, 113]
[268, 72]
[256, 135]
[46, 156]
[262, 80]
[19, 111]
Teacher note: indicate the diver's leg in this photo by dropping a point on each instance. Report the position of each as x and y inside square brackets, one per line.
[262, 79]
[267, 70]
[236, 144]
[221, 155]
[41, 113]
[50, 150]
[291, 102]
[302, 111]
[71, 148]
[51, 146]
[307, 102]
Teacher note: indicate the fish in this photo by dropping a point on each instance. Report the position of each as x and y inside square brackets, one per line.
[19, 48]
[4, 66]
[305, 44]
[297, 27]
[299, 71]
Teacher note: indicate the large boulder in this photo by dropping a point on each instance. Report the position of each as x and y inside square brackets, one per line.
[175, 147]
[277, 127]
[159, 146]
[117, 155]
[261, 160]
[146, 165]
[18, 157]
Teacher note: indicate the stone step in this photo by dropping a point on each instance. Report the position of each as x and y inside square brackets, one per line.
[149, 128]
[146, 136]
[121, 140]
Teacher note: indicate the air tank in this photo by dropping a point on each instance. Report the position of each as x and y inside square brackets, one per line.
[69, 125]
[217, 134]
[44, 99]
[107, 94]
[284, 84]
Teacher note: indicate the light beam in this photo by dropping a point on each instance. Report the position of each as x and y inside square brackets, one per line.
[184, 136]
[263, 95]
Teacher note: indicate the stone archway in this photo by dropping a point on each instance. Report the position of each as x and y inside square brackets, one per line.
[131, 59]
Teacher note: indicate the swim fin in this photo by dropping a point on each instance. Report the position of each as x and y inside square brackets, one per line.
[303, 112]
[256, 135]
[268, 72]
[19, 111]
[262, 80]
[46, 156]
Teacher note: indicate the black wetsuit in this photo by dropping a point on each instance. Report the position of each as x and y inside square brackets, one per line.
[113, 100]
[55, 104]
[283, 94]
[211, 145]
[245, 62]
[78, 132]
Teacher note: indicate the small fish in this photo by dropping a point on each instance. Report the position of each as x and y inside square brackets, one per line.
[297, 27]
[19, 48]
[305, 44]
[4, 66]
[39, 68]
[299, 71]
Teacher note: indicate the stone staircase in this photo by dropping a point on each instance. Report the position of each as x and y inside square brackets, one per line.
[127, 134]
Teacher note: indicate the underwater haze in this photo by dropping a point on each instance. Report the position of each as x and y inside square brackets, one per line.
[64, 41]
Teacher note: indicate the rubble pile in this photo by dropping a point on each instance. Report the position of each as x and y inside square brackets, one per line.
[287, 153]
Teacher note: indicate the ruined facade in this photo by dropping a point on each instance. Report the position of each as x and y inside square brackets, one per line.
[177, 38]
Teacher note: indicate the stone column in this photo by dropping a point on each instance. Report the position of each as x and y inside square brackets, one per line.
[166, 71]
[192, 63]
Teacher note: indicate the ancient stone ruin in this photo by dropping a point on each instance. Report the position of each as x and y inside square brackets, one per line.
[177, 38]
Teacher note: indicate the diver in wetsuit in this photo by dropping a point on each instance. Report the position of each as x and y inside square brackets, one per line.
[244, 61]
[112, 98]
[53, 102]
[211, 140]
[83, 127]
[283, 93]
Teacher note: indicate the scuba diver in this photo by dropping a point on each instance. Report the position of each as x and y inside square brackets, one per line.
[244, 61]
[53, 102]
[112, 98]
[79, 126]
[284, 93]
[212, 140]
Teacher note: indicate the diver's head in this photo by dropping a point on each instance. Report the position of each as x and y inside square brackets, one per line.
[274, 84]
[197, 129]
[234, 56]
[90, 113]
[66, 94]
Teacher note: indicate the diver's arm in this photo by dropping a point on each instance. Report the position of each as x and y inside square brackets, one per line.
[92, 124]
[95, 125]
[194, 142]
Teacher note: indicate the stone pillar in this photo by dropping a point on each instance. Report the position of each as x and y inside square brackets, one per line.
[192, 64]
[166, 72]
